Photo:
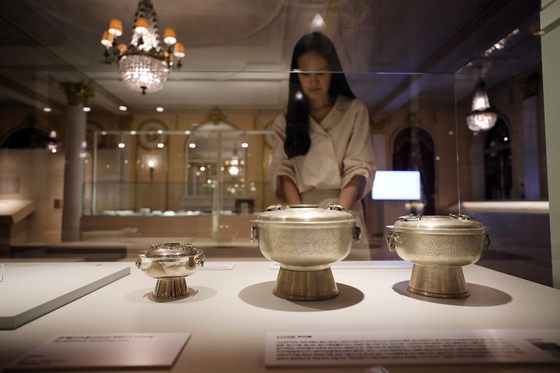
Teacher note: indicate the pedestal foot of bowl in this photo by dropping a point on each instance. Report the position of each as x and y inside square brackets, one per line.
[171, 288]
[305, 285]
[438, 282]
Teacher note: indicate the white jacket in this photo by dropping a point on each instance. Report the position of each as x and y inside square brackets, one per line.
[341, 148]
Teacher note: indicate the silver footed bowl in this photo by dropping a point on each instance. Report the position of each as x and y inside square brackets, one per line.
[305, 237]
[305, 240]
[438, 241]
[438, 246]
[170, 263]
[168, 260]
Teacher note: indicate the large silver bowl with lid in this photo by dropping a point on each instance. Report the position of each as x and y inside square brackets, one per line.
[305, 240]
[438, 246]
[170, 263]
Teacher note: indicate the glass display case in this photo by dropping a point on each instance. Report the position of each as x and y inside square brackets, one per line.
[454, 90]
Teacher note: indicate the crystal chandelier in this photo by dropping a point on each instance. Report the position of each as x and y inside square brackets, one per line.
[481, 118]
[144, 64]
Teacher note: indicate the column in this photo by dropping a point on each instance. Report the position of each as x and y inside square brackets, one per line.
[74, 168]
[531, 166]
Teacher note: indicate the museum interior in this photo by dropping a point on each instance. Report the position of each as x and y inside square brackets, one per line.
[137, 138]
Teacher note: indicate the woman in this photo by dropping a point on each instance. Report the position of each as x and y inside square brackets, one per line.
[323, 153]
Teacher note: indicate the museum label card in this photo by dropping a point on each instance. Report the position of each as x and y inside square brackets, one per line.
[412, 347]
[104, 350]
[218, 265]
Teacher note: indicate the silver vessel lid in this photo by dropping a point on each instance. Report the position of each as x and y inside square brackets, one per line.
[171, 250]
[449, 224]
[304, 214]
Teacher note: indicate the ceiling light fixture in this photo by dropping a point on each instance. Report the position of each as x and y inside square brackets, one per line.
[481, 118]
[144, 64]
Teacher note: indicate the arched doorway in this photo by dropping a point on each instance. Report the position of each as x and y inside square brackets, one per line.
[498, 170]
[413, 150]
[29, 135]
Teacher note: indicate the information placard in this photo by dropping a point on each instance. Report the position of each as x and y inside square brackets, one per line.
[104, 350]
[412, 347]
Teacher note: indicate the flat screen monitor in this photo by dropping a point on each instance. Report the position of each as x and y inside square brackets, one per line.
[396, 185]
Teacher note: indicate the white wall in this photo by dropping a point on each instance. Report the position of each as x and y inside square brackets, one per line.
[41, 176]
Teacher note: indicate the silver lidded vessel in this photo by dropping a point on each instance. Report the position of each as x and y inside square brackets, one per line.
[305, 240]
[438, 246]
[170, 263]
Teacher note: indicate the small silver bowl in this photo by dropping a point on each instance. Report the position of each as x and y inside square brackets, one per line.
[170, 263]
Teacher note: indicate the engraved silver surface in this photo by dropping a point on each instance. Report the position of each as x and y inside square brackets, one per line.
[438, 246]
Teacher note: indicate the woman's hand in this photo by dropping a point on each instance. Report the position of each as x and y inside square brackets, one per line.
[291, 193]
[351, 192]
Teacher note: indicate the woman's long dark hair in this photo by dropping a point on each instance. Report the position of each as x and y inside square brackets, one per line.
[297, 118]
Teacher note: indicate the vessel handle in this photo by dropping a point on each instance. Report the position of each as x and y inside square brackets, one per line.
[200, 260]
[356, 233]
[138, 263]
[486, 244]
[333, 206]
[274, 207]
[254, 233]
[392, 239]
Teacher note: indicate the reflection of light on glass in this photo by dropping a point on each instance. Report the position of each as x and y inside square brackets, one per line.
[160, 145]
[396, 185]
[209, 181]
[318, 24]
[151, 164]
[244, 145]
[159, 132]
[506, 139]
[299, 96]
[133, 132]
[87, 109]
[233, 170]
[187, 132]
[481, 118]
[202, 168]
[122, 108]
[192, 145]
[47, 109]
[121, 145]
[159, 109]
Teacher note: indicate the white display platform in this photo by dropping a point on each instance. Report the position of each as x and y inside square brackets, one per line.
[30, 290]
[13, 211]
[233, 310]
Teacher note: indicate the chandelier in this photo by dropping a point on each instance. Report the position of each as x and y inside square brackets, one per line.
[144, 64]
[481, 118]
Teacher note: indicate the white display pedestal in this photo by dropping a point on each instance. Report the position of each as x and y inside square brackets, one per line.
[31, 290]
[233, 310]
